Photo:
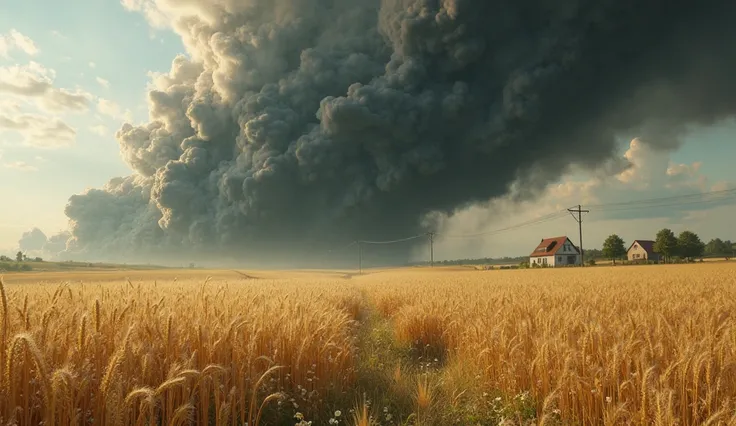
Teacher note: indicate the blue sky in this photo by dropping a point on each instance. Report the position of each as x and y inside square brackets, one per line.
[98, 51]
[81, 41]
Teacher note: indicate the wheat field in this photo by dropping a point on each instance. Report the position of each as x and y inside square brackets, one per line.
[605, 345]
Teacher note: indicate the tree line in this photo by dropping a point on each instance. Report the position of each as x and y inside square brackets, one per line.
[20, 257]
[687, 245]
[21, 262]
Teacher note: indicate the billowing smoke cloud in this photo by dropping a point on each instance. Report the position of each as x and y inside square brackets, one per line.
[35, 243]
[297, 125]
[56, 243]
[32, 240]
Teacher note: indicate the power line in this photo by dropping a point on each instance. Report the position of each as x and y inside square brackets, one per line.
[401, 240]
[671, 201]
[670, 198]
[649, 206]
[349, 245]
[546, 218]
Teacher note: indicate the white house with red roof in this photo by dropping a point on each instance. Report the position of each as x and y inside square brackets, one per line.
[558, 251]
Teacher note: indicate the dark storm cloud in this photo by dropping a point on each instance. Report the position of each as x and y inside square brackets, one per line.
[300, 124]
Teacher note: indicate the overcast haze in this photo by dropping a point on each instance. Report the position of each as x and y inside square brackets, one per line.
[262, 129]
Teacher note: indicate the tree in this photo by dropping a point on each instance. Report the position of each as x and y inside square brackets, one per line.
[718, 247]
[613, 248]
[689, 245]
[666, 243]
[715, 247]
[19, 256]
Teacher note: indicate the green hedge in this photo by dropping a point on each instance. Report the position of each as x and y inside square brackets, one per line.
[14, 267]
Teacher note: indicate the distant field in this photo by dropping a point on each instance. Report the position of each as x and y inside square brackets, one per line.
[601, 262]
[46, 266]
[442, 346]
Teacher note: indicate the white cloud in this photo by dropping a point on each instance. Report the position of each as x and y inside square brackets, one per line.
[652, 175]
[723, 186]
[154, 11]
[39, 131]
[64, 100]
[104, 83]
[108, 107]
[34, 81]
[24, 43]
[33, 84]
[113, 110]
[21, 166]
[15, 40]
[99, 130]
[92, 65]
[26, 80]
[684, 169]
[9, 105]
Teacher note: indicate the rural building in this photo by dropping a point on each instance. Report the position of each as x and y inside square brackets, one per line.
[642, 250]
[558, 251]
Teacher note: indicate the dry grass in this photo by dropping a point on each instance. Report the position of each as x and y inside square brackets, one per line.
[640, 345]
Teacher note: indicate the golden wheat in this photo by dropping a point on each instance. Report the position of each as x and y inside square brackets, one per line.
[621, 345]
[627, 345]
[218, 352]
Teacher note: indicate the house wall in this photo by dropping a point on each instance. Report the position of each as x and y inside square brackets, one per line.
[559, 259]
[563, 254]
[563, 259]
[540, 260]
[637, 253]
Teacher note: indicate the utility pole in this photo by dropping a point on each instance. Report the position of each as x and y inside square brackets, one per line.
[579, 220]
[360, 258]
[431, 249]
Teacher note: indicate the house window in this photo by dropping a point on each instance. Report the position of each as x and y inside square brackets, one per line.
[559, 258]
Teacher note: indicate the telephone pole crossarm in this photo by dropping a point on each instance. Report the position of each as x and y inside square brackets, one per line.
[579, 220]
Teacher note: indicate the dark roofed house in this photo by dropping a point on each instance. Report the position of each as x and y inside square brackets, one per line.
[557, 251]
[642, 251]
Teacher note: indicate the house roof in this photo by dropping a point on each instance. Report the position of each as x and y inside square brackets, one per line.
[647, 245]
[549, 246]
